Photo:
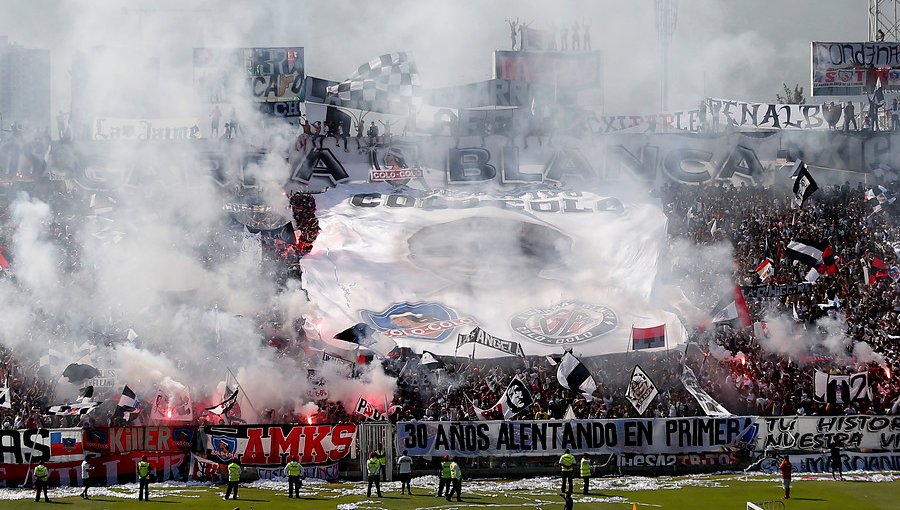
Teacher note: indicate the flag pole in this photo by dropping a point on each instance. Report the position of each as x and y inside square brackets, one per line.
[666, 338]
[243, 392]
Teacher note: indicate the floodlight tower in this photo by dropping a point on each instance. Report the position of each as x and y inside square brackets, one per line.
[666, 16]
[884, 15]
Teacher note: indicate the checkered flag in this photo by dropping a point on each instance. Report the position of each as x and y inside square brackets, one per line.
[388, 84]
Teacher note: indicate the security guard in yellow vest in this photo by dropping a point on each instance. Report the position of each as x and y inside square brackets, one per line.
[444, 481]
[456, 479]
[586, 472]
[373, 466]
[567, 469]
[234, 477]
[143, 480]
[294, 472]
[41, 475]
[382, 459]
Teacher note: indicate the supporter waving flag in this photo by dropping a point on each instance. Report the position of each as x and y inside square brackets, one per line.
[817, 254]
[804, 184]
[515, 399]
[572, 374]
[387, 84]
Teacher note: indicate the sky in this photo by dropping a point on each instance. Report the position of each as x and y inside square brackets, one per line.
[720, 48]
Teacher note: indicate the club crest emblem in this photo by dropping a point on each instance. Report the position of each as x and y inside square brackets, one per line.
[567, 322]
[431, 321]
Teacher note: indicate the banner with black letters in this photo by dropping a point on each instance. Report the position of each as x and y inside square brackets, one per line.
[549, 438]
[817, 432]
[774, 291]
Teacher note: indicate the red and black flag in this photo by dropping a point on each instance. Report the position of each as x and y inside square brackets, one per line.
[648, 338]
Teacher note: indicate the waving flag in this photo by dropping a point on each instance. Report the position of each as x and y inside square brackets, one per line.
[765, 269]
[515, 399]
[430, 361]
[648, 338]
[83, 405]
[807, 251]
[226, 405]
[640, 391]
[572, 374]
[6, 396]
[731, 310]
[365, 408]
[804, 184]
[387, 84]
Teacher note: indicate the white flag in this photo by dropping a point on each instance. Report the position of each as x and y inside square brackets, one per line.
[640, 391]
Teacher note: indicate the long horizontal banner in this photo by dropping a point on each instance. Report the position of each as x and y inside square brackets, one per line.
[105, 470]
[138, 439]
[541, 438]
[443, 162]
[774, 291]
[638, 460]
[741, 114]
[817, 432]
[266, 445]
[850, 461]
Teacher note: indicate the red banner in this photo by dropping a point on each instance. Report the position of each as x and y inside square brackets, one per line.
[107, 440]
[105, 470]
[267, 445]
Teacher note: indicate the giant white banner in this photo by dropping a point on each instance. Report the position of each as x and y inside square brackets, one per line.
[539, 438]
[817, 432]
[548, 269]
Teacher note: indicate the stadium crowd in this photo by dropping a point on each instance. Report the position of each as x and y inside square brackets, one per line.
[730, 362]
[746, 374]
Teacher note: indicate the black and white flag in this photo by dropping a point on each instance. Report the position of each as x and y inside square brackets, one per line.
[387, 84]
[479, 336]
[365, 408]
[707, 403]
[641, 391]
[572, 374]
[430, 361]
[128, 401]
[842, 389]
[515, 399]
[226, 404]
[807, 251]
[804, 184]
[6, 397]
[83, 405]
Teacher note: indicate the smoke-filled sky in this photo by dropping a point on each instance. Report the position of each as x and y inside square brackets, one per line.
[734, 49]
[740, 50]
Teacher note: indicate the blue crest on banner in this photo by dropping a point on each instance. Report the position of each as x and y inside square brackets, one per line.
[431, 321]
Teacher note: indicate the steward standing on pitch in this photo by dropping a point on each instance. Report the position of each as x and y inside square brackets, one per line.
[143, 480]
[41, 474]
[373, 466]
[567, 470]
[382, 459]
[293, 470]
[456, 477]
[234, 478]
[444, 480]
[586, 471]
